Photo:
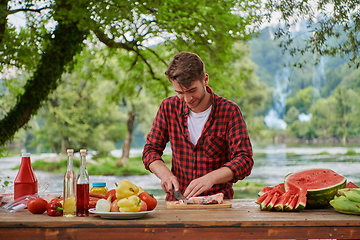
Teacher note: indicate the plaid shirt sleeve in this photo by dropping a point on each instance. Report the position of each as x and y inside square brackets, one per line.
[224, 142]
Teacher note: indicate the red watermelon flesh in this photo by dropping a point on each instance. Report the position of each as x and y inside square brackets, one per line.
[301, 196]
[261, 198]
[321, 185]
[351, 185]
[273, 200]
[263, 204]
[276, 198]
[290, 205]
[301, 203]
[280, 186]
[270, 190]
[282, 200]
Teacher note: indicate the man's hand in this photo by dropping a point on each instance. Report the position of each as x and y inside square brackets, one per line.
[204, 183]
[168, 180]
[198, 186]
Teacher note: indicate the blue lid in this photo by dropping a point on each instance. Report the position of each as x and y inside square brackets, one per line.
[99, 184]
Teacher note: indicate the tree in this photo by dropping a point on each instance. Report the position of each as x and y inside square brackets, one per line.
[291, 115]
[78, 113]
[303, 100]
[332, 27]
[56, 30]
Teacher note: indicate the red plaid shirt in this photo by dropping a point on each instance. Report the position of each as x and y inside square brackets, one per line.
[224, 142]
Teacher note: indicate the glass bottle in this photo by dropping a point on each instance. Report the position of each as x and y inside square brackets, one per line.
[82, 188]
[25, 182]
[69, 206]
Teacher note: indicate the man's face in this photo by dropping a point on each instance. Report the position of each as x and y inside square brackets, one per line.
[194, 95]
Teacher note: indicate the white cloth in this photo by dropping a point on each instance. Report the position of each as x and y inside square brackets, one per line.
[196, 123]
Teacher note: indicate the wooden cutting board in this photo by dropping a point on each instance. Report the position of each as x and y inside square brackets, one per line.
[175, 205]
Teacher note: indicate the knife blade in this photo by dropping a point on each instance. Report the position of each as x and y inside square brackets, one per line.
[179, 196]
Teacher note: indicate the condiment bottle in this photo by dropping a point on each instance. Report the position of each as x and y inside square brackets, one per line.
[82, 188]
[25, 182]
[99, 187]
[69, 205]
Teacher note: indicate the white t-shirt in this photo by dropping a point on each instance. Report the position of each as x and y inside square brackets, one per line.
[196, 122]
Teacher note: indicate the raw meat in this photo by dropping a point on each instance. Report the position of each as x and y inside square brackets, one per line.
[211, 199]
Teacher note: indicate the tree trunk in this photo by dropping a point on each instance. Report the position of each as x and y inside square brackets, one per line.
[128, 139]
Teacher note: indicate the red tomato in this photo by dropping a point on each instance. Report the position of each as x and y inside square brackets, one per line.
[151, 202]
[113, 193]
[37, 205]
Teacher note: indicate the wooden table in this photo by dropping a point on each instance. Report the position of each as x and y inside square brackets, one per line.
[243, 220]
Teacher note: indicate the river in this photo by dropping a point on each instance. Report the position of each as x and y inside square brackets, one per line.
[272, 163]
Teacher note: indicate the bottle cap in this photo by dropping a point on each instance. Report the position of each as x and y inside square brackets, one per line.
[99, 184]
[83, 152]
[25, 154]
[70, 152]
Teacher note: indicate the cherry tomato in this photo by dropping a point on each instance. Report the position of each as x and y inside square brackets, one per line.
[113, 193]
[37, 205]
[151, 202]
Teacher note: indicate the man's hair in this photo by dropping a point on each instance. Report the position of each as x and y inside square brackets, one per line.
[185, 68]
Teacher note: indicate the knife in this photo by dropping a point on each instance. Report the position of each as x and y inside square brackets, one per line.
[179, 196]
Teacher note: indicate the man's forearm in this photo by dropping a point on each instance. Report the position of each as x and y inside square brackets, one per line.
[221, 175]
[160, 169]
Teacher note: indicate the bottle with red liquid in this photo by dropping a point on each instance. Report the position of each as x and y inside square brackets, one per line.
[82, 188]
[25, 182]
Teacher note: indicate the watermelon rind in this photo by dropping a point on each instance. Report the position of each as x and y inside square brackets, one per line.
[321, 198]
[318, 198]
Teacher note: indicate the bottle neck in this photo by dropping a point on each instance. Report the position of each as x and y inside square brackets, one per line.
[83, 176]
[25, 161]
[83, 163]
[70, 166]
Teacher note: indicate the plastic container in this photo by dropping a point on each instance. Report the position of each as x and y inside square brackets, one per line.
[25, 182]
[99, 187]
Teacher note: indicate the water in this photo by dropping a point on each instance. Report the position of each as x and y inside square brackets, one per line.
[272, 163]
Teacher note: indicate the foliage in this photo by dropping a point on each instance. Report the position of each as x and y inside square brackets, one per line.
[303, 100]
[56, 30]
[326, 92]
[332, 27]
[54, 166]
[5, 183]
[78, 114]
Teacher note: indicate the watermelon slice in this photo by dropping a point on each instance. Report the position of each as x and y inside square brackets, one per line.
[284, 198]
[351, 185]
[321, 185]
[263, 204]
[301, 204]
[300, 196]
[270, 190]
[273, 200]
[280, 187]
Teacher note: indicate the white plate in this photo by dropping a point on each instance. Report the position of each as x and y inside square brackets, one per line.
[120, 215]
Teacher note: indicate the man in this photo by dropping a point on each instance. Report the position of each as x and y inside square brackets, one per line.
[210, 145]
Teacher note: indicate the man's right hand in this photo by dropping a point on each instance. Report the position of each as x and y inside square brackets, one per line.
[168, 179]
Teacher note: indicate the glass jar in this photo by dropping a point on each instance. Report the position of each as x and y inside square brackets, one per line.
[99, 187]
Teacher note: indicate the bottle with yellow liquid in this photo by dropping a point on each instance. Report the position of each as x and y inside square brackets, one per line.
[69, 205]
